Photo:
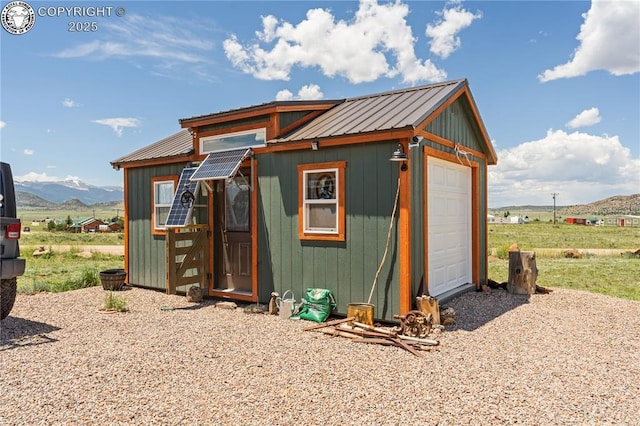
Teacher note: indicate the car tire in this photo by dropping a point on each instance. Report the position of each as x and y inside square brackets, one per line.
[8, 289]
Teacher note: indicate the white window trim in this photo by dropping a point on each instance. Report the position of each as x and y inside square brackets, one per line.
[334, 201]
[157, 205]
[203, 140]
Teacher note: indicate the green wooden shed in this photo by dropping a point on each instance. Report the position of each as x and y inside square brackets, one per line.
[378, 198]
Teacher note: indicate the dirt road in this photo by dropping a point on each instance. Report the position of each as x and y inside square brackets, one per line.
[104, 249]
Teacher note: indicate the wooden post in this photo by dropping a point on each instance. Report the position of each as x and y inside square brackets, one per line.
[523, 272]
[170, 256]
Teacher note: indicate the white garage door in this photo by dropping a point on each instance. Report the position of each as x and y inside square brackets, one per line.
[449, 222]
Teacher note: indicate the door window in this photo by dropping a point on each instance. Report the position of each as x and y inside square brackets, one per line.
[237, 204]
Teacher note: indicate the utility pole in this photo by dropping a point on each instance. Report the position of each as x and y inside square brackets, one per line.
[554, 207]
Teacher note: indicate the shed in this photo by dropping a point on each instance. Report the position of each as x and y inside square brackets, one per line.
[290, 195]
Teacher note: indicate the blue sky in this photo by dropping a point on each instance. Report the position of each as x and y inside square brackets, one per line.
[557, 83]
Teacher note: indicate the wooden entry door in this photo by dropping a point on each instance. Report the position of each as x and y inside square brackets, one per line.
[233, 242]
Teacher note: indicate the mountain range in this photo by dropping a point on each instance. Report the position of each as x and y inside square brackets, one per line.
[69, 189]
[618, 204]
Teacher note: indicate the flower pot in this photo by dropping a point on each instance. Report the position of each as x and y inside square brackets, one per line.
[113, 279]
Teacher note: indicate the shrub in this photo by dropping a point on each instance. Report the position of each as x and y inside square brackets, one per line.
[114, 302]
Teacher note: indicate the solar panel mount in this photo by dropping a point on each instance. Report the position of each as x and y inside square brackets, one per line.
[221, 165]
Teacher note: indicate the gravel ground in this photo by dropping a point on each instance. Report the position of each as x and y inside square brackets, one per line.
[565, 358]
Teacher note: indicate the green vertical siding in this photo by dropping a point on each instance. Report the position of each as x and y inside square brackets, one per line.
[457, 124]
[146, 251]
[287, 118]
[347, 268]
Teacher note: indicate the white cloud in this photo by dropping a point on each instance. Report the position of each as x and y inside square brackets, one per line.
[609, 40]
[166, 39]
[2, 124]
[586, 118]
[43, 177]
[581, 167]
[359, 50]
[28, 151]
[444, 38]
[309, 92]
[118, 124]
[284, 95]
[69, 103]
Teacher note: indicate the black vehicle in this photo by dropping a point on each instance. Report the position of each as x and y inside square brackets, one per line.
[11, 266]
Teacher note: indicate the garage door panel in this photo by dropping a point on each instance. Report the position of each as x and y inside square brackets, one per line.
[449, 233]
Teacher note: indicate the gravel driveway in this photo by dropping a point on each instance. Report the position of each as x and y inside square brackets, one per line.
[565, 358]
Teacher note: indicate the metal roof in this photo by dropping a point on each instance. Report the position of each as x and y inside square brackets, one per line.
[176, 145]
[400, 109]
[260, 108]
[403, 109]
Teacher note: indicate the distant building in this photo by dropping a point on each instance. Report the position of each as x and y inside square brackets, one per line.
[87, 225]
[625, 220]
[110, 227]
[576, 220]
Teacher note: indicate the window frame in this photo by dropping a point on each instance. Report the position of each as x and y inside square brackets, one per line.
[220, 137]
[304, 170]
[156, 230]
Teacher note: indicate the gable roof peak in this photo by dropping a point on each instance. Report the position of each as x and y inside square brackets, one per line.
[460, 81]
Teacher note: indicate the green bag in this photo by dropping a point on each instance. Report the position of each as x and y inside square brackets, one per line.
[317, 305]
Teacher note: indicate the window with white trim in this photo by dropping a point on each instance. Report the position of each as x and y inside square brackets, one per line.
[321, 209]
[163, 191]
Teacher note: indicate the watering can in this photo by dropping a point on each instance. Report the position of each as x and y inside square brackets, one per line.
[286, 307]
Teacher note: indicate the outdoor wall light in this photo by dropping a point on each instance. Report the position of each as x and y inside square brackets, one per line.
[415, 141]
[400, 155]
[315, 144]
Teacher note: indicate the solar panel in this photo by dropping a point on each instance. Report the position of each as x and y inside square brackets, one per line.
[182, 205]
[220, 165]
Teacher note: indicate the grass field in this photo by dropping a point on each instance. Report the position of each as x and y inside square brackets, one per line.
[105, 213]
[40, 237]
[536, 235]
[64, 271]
[611, 274]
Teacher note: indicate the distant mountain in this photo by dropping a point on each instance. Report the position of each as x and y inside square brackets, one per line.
[618, 204]
[61, 191]
[25, 200]
[525, 208]
[74, 204]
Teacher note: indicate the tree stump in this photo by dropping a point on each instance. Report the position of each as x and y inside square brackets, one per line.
[429, 305]
[523, 272]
